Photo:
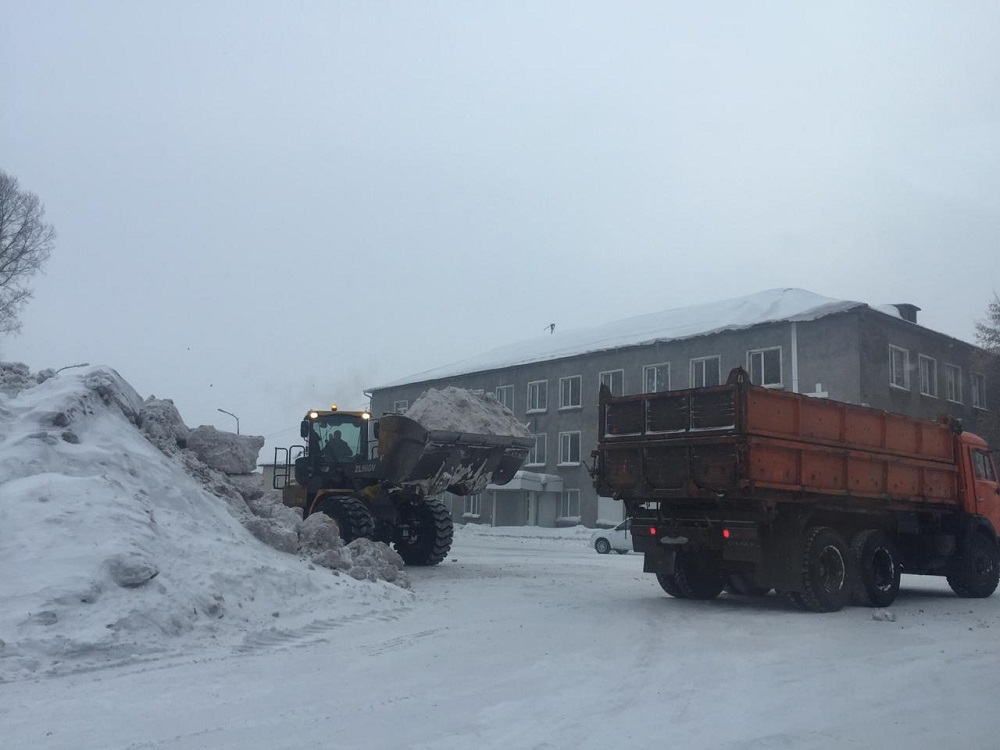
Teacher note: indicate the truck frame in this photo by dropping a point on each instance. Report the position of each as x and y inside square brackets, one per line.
[752, 489]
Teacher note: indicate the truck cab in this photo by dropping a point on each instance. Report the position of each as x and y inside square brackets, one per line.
[979, 479]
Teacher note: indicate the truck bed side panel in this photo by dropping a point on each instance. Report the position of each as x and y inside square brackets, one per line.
[745, 441]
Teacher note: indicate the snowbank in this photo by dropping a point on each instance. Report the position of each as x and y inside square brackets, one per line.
[111, 550]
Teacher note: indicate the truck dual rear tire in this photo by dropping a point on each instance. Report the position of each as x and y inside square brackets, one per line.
[669, 584]
[826, 571]
[695, 576]
[975, 570]
[876, 561]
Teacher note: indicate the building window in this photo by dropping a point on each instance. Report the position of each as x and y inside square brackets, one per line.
[505, 395]
[978, 390]
[569, 506]
[400, 407]
[765, 366]
[899, 368]
[656, 378]
[953, 383]
[569, 448]
[706, 371]
[928, 375]
[536, 456]
[615, 380]
[472, 504]
[538, 395]
[569, 392]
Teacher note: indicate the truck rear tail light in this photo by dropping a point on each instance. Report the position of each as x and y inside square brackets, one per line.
[652, 531]
[725, 533]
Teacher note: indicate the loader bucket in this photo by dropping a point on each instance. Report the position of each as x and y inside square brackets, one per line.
[438, 460]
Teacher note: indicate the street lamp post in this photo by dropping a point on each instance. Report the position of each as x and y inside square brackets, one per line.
[234, 417]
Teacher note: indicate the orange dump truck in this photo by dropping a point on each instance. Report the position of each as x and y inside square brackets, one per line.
[753, 489]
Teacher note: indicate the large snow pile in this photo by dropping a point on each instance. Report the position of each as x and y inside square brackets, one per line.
[462, 410]
[112, 547]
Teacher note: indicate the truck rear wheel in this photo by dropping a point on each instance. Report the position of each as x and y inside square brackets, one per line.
[878, 570]
[669, 584]
[352, 516]
[424, 532]
[826, 571]
[695, 576]
[975, 571]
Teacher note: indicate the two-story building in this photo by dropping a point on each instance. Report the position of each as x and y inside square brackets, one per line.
[792, 339]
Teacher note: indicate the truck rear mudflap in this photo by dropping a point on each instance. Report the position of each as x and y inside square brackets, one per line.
[438, 460]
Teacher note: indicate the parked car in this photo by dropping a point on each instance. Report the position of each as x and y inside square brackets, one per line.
[618, 539]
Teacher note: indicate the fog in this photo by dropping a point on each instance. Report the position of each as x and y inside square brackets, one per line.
[263, 208]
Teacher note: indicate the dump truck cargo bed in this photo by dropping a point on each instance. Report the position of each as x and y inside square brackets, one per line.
[737, 440]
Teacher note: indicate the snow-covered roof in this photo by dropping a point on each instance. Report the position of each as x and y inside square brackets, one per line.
[772, 306]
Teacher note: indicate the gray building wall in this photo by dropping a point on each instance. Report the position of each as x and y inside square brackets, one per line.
[845, 355]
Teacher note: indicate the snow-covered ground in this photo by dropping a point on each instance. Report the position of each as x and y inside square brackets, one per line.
[137, 611]
[526, 638]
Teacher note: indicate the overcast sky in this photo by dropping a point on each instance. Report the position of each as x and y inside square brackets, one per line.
[264, 207]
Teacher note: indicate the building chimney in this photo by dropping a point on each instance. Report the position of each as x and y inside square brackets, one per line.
[907, 311]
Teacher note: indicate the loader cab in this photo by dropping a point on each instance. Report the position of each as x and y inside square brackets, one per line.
[335, 442]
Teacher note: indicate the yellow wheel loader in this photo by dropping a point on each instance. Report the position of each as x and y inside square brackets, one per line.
[378, 477]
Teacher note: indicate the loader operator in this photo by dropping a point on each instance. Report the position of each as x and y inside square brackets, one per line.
[337, 449]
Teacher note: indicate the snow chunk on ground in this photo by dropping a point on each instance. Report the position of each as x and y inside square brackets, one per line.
[462, 410]
[112, 552]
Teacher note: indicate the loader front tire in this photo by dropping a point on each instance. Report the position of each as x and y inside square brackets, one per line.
[424, 532]
[352, 516]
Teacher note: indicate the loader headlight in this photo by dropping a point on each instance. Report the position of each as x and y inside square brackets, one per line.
[365, 415]
[313, 414]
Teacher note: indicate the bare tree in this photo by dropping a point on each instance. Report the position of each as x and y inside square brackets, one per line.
[988, 338]
[25, 243]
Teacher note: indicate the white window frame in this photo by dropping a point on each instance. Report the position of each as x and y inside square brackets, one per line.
[953, 377]
[566, 440]
[473, 505]
[541, 397]
[978, 390]
[400, 407]
[610, 379]
[507, 399]
[899, 374]
[927, 366]
[568, 499]
[697, 382]
[566, 399]
[762, 352]
[646, 369]
[536, 456]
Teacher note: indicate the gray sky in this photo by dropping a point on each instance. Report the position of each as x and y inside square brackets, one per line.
[263, 207]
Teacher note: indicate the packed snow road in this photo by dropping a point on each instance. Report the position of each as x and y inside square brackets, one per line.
[529, 639]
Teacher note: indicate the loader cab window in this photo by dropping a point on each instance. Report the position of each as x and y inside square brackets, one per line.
[340, 437]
